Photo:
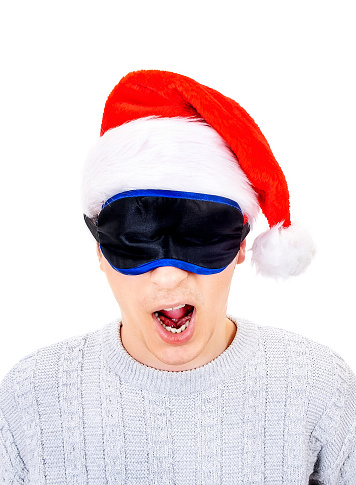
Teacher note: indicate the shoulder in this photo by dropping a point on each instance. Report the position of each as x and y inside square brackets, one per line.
[280, 342]
[35, 386]
[42, 367]
[325, 365]
[329, 381]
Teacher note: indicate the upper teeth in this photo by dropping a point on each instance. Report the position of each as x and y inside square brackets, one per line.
[175, 308]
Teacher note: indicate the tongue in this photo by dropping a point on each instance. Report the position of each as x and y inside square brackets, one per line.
[181, 312]
[176, 318]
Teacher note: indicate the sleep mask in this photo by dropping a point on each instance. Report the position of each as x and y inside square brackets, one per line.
[141, 230]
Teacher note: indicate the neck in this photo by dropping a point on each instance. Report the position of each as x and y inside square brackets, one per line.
[182, 358]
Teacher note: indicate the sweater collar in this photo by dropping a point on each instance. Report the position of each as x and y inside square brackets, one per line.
[224, 367]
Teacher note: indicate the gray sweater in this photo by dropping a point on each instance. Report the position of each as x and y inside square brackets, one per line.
[274, 408]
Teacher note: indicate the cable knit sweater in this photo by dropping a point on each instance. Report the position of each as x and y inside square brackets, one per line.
[274, 408]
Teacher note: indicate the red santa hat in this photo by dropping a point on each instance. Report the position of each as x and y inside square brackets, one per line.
[162, 130]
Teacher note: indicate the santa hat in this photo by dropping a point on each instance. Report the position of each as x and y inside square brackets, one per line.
[162, 130]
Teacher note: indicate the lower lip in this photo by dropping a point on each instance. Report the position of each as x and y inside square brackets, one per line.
[176, 338]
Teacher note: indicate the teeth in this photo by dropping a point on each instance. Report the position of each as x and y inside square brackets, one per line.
[172, 329]
[175, 308]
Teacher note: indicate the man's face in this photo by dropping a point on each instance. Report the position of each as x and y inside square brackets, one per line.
[140, 297]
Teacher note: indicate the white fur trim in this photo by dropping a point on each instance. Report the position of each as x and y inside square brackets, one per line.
[164, 153]
[282, 252]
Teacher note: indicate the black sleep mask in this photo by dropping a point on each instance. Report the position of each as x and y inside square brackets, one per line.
[141, 230]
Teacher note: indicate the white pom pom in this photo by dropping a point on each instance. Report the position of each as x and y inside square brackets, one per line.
[282, 252]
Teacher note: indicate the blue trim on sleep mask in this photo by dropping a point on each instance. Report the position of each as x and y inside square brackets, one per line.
[173, 194]
[145, 268]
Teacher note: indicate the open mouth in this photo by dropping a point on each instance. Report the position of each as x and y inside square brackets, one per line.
[175, 320]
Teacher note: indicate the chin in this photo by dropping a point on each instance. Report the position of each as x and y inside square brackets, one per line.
[177, 359]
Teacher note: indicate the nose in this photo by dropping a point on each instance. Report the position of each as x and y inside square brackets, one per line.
[168, 277]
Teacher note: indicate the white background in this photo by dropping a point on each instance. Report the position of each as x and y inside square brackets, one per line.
[291, 65]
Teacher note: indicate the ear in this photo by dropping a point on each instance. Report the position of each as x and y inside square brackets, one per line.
[242, 252]
[100, 257]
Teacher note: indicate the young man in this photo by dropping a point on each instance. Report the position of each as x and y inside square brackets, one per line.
[177, 392]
